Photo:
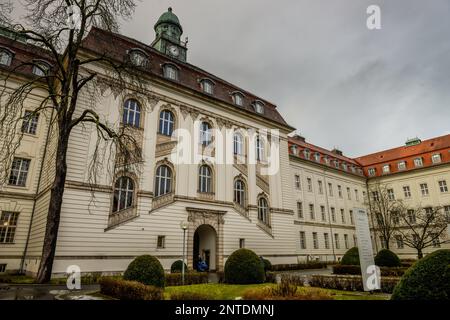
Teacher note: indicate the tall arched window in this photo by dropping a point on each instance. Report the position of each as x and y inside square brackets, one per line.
[166, 122]
[5, 57]
[205, 133]
[259, 149]
[123, 194]
[205, 179]
[239, 192]
[238, 144]
[163, 182]
[263, 211]
[132, 113]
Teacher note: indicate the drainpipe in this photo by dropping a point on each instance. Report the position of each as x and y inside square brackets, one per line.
[325, 185]
[36, 195]
[371, 217]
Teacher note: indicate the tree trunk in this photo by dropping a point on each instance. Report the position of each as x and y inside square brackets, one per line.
[419, 254]
[54, 210]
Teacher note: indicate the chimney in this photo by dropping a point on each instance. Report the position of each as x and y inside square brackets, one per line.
[337, 151]
[413, 142]
[299, 137]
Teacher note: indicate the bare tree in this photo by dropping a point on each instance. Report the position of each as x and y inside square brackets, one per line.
[56, 28]
[421, 228]
[383, 209]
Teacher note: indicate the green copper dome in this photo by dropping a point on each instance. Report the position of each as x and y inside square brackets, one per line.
[170, 18]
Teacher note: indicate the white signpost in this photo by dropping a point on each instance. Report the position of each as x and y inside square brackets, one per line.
[369, 271]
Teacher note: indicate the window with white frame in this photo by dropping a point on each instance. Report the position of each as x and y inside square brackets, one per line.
[407, 192]
[320, 185]
[375, 196]
[163, 181]
[207, 86]
[436, 158]
[205, 179]
[390, 194]
[330, 189]
[326, 240]
[123, 194]
[138, 58]
[351, 217]
[259, 107]
[238, 99]
[411, 215]
[5, 57]
[312, 214]
[260, 149]
[298, 184]
[309, 184]
[166, 123]
[343, 216]
[356, 195]
[418, 162]
[241, 243]
[238, 144]
[386, 169]
[263, 211]
[40, 68]
[333, 214]
[19, 172]
[8, 224]
[205, 133]
[340, 191]
[326, 160]
[349, 195]
[424, 189]
[161, 242]
[447, 213]
[30, 122]
[443, 186]
[436, 241]
[131, 113]
[399, 240]
[315, 240]
[302, 240]
[171, 72]
[317, 157]
[383, 242]
[344, 166]
[300, 210]
[306, 153]
[336, 241]
[322, 213]
[346, 241]
[336, 164]
[401, 165]
[371, 171]
[355, 240]
[239, 193]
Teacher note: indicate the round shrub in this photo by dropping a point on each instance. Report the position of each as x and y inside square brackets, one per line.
[427, 279]
[147, 270]
[177, 267]
[244, 267]
[351, 257]
[386, 258]
[267, 264]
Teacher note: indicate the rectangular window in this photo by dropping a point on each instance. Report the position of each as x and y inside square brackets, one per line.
[302, 240]
[315, 240]
[386, 169]
[311, 212]
[309, 181]
[418, 162]
[330, 189]
[343, 216]
[399, 240]
[390, 193]
[336, 241]
[424, 189]
[333, 214]
[436, 158]
[300, 209]
[2, 267]
[382, 242]
[161, 242]
[411, 216]
[346, 241]
[19, 172]
[351, 217]
[320, 187]
[436, 241]
[447, 213]
[375, 196]
[339, 191]
[356, 195]
[355, 240]
[30, 122]
[241, 243]
[322, 212]
[326, 240]
[371, 172]
[401, 165]
[407, 192]
[297, 182]
[8, 224]
[443, 186]
[349, 195]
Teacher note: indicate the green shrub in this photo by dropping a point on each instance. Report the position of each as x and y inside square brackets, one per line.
[175, 279]
[244, 267]
[386, 258]
[129, 290]
[267, 265]
[186, 295]
[356, 270]
[349, 282]
[177, 267]
[351, 257]
[147, 270]
[286, 291]
[427, 279]
[298, 266]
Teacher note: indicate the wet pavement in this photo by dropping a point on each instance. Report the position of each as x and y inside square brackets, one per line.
[46, 292]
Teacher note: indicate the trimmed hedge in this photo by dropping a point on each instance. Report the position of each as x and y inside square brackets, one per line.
[129, 290]
[244, 267]
[177, 267]
[175, 279]
[298, 266]
[427, 279]
[190, 296]
[356, 270]
[145, 269]
[351, 257]
[267, 265]
[349, 282]
[386, 258]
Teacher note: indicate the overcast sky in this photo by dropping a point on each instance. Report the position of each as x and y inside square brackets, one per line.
[340, 84]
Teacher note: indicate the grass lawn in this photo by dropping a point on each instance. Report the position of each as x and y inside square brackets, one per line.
[231, 291]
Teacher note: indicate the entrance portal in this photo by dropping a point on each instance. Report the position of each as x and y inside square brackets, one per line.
[205, 245]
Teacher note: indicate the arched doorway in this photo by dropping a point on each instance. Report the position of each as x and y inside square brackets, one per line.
[205, 246]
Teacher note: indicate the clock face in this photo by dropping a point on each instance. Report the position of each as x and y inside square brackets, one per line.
[174, 51]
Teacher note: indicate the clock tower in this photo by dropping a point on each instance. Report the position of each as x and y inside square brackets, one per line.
[168, 36]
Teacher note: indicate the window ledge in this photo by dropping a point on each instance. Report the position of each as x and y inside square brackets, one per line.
[206, 195]
[163, 200]
[266, 228]
[118, 218]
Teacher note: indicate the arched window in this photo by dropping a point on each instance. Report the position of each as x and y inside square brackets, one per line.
[263, 210]
[166, 123]
[40, 68]
[170, 72]
[132, 113]
[259, 107]
[205, 179]
[238, 99]
[239, 192]
[238, 144]
[5, 57]
[163, 182]
[259, 149]
[138, 58]
[123, 194]
[205, 133]
[207, 86]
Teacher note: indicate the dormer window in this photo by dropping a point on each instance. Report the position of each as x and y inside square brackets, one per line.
[326, 160]
[401, 165]
[138, 58]
[238, 99]
[317, 157]
[344, 166]
[436, 158]
[5, 57]
[336, 164]
[294, 149]
[41, 68]
[306, 153]
[170, 72]
[418, 162]
[371, 172]
[259, 107]
[207, 86]
[386, 169]
[353, 169]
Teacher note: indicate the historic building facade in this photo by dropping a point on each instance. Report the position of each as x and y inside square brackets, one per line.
[227, 193]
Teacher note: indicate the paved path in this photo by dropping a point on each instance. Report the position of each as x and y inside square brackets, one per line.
[43, 292]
